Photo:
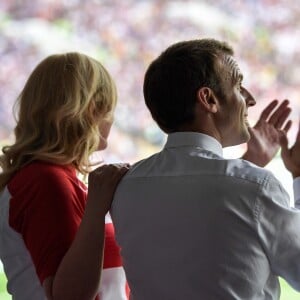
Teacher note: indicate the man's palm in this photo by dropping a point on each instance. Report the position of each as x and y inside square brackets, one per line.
[267, 133]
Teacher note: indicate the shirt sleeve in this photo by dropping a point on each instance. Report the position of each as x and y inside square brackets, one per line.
[278, 227]
[47, 213]
[296, 186]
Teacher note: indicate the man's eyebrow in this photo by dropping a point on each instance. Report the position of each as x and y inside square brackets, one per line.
[235, 70]
[236, 74]
[240, 77]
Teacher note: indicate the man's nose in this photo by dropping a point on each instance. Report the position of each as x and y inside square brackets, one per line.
[249, 99]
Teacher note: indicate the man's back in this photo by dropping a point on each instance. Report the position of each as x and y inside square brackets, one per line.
[193, 225]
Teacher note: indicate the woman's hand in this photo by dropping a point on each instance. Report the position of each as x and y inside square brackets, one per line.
[102, 183]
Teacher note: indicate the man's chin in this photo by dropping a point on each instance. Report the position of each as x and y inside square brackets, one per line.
[246, 137]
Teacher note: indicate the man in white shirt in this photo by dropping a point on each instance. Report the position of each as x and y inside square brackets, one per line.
[192, 225]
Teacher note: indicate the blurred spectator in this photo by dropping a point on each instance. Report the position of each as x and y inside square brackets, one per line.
[126, 35]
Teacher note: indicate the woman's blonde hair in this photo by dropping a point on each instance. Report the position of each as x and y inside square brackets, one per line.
[59, 112]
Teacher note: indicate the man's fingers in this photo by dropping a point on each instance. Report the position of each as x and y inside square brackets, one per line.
[287, 126]
[284, 144]
[281, 113]
[282, 117]
[267, 111]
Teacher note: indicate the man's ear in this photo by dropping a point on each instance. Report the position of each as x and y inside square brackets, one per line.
[207, 99]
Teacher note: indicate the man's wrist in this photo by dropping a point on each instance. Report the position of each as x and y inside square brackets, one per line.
[256, 159]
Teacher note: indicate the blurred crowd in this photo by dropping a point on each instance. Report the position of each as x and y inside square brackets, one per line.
[126, 35]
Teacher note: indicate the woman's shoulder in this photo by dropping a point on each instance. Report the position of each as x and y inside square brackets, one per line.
[39, 168]
[39, 174]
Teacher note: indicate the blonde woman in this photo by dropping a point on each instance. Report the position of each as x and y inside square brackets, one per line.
[51, 233]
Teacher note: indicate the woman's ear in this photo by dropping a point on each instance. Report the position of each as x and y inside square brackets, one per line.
[207, 99]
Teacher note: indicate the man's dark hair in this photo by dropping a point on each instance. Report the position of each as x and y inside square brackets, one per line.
[172, 80]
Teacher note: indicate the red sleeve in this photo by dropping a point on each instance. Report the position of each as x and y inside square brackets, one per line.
[46, 209]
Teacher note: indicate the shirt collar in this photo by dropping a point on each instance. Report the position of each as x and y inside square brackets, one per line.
[194, 139]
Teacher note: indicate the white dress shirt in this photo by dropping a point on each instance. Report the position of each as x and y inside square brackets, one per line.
[192, 225]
